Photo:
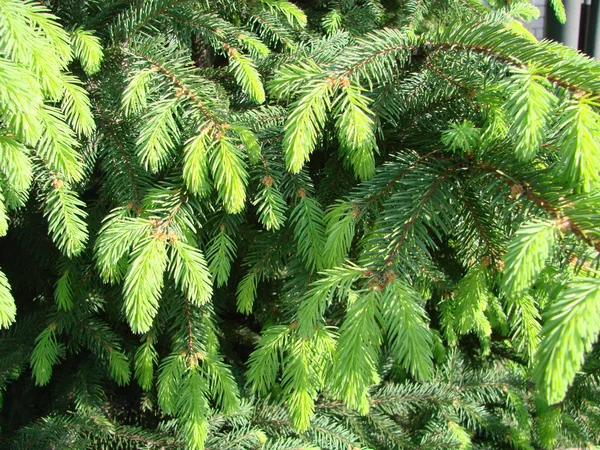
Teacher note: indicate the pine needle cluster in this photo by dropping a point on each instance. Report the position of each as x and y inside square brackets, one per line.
[267, 224]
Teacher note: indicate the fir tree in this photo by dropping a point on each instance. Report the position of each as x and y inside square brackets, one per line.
[281, 225]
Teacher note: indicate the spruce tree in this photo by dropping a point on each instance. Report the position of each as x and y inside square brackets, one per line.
[266, 224]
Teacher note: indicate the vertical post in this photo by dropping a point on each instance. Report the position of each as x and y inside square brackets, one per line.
[567, 33]
[594, 38]
[585, 35]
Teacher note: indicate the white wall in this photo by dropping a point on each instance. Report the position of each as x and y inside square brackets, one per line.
[537, 26]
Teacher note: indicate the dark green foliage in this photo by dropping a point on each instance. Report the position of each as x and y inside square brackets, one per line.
[296, 225]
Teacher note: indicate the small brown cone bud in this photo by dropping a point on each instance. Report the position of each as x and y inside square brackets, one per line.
[267, 180]
[516, 190]
[159, 235]
[331, 81]
[563, 224]
[500, 265]
[390, 277]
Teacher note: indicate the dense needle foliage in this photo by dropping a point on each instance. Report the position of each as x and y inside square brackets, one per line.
[265, 224]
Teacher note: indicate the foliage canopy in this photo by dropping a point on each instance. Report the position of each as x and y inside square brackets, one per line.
[281, 225]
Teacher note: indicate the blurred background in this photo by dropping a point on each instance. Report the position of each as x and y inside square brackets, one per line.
[580, 31]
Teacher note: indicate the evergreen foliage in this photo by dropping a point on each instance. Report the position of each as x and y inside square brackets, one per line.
[278, 225]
